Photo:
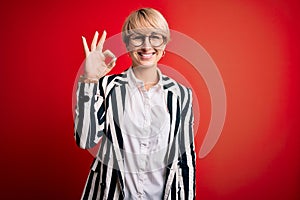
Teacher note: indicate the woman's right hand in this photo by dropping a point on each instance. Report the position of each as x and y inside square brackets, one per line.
[95, 66]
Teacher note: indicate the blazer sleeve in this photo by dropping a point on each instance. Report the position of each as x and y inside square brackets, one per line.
[89, 114]
[187, 147]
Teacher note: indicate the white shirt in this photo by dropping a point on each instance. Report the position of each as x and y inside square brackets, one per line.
[146, 126]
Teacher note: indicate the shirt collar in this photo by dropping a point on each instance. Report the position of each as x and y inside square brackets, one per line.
[135, 82]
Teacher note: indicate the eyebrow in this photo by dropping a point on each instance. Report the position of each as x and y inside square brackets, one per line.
[147, 34]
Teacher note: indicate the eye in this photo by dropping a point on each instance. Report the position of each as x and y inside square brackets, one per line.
[155, 37]
[137, 37]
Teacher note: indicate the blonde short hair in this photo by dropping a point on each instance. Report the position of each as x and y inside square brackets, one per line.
[145, 19]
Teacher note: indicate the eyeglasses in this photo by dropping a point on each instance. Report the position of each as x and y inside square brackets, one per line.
[155, 39]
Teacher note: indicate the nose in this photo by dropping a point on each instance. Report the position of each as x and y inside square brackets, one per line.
[146, 44]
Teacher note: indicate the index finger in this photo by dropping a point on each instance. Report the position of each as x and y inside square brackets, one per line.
[101, 41]
[85, 46]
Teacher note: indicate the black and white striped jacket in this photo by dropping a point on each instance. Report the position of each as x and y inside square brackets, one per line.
[98, 113]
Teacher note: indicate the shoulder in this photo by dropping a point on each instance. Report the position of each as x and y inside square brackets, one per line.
[113, 79]
[108, 82]
[181, 90]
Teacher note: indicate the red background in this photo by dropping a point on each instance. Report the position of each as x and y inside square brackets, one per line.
[255, 45]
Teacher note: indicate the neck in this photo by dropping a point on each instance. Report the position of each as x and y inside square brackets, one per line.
[148, 75]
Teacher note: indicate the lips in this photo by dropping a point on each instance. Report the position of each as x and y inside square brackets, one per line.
[146, 55]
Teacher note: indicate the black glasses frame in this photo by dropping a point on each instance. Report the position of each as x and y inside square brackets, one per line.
[144, 38]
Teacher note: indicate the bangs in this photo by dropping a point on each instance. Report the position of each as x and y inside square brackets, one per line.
[144, 21]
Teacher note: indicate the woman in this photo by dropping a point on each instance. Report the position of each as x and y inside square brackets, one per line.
[142, 118]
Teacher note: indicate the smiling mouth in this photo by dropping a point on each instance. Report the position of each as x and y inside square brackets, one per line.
[146, 55]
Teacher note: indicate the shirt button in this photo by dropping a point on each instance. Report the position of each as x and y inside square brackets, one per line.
[143, 144]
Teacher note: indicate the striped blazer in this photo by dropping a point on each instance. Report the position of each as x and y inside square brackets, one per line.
[98, 113]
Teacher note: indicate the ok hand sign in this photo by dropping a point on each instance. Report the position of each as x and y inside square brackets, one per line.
[95, 66]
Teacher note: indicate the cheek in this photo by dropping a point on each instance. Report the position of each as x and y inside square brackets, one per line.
[161, 50]
[132, 54]
[160, 53]
[131, 49]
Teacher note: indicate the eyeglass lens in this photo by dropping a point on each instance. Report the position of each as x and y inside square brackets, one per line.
[139, 39]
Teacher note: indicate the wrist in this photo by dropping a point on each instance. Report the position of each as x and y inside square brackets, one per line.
[87, 79]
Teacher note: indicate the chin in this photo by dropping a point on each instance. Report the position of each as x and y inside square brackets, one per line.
[145, 65]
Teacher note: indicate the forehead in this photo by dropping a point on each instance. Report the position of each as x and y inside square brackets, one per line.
[145, 31]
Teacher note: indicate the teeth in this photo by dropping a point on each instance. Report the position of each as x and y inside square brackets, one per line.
[146, 55]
